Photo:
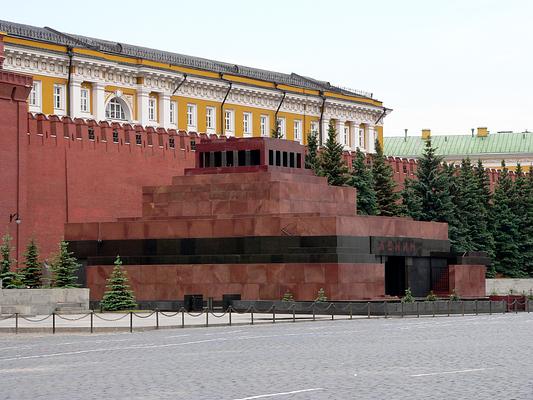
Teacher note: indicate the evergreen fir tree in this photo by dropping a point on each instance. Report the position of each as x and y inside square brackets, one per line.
[529, 221]
[332, 164]
[10, 279]
[523, 209]
[276, 132]
[428, 197]
[386, 196]
[312, 161]
[65, 267]
[118, 295]
[361, 178]
[32, 272]
[505, 228]
[483, 239]
[457, 229]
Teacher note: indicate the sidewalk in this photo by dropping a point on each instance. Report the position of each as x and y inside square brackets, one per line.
[139, 321]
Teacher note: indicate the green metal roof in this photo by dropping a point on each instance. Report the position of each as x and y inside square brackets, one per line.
[461, 145]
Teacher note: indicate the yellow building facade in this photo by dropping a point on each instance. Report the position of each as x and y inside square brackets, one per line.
[89, 78]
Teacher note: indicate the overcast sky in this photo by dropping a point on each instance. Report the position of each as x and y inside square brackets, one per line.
[444, 65]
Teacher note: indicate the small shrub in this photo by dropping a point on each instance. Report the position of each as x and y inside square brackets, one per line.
[408, 298]
[321, 297]
[454, 296]
[287, 296]
[431, 296]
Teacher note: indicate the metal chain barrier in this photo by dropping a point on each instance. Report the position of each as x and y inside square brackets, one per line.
[110, 320]
[145, 316]
[35, 320]
[72, 319]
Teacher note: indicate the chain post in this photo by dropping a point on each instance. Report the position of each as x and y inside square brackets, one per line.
[156, 318]
[229, 310]
[206, 317]
[294, 313]
[131, 321]
[16, 323]
[252, 314]
[463, 307]
[333, 312]
[368, 309]
[475, 303]
[402, 308]
[515, 308]
[527, 305]
[433, 308]
[92, 325]
[182, 317]
[449, 307]
[418, 309]
[385, 309]
[273, 314]
[53, 322]
[314, 316]
[490, 307]
[351, 310]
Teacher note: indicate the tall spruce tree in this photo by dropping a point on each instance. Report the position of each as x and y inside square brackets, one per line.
[361, 179]
[529, 221]
[32, 272]
[523, 210]
[312, 161]
[482, 238]
[65, 267]
[469, 209]
[386, 196]
[507, 260]
[276, 131]
[10, 279]
[118, 295]
[332, 164]
[428, 198]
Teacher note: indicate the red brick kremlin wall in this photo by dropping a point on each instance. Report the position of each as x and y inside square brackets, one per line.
[56, 170]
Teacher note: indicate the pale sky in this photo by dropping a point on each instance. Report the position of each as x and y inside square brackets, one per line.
[445, 65]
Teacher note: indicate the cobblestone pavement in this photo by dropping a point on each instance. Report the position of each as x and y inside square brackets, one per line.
[472, 357]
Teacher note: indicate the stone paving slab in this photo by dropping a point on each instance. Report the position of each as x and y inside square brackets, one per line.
[473, 357]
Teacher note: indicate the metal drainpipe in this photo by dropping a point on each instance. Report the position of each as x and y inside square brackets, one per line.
[179, 84]
[277, 111]
[320, 126]
[70, 54]
[222, 106]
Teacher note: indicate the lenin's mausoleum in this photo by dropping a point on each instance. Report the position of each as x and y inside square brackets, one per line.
[205, 215]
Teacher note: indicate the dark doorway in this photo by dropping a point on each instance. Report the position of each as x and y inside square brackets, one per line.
[395, 276]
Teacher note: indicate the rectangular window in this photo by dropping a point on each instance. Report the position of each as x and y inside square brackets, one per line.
[171, 142]
[115, 136]
[90, 132]
[281, 125]
[264, 125]
[35, 94]
[228, 123]
[346, 135]
[191, 117]
[172, 112]
[138, 139]
[84, 100]
[247, 123]
[59, 91]
[152, 108]
[361, 138]
[297, 130]
[314, 127]
[210, 114]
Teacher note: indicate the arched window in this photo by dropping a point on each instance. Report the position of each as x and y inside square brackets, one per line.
[115, 110]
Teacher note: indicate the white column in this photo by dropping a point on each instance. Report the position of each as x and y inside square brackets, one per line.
[164, 110]
[74, 99]
[325, 127]
[340, 132]
[142, 106]
[371, 139]
[98, 99]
